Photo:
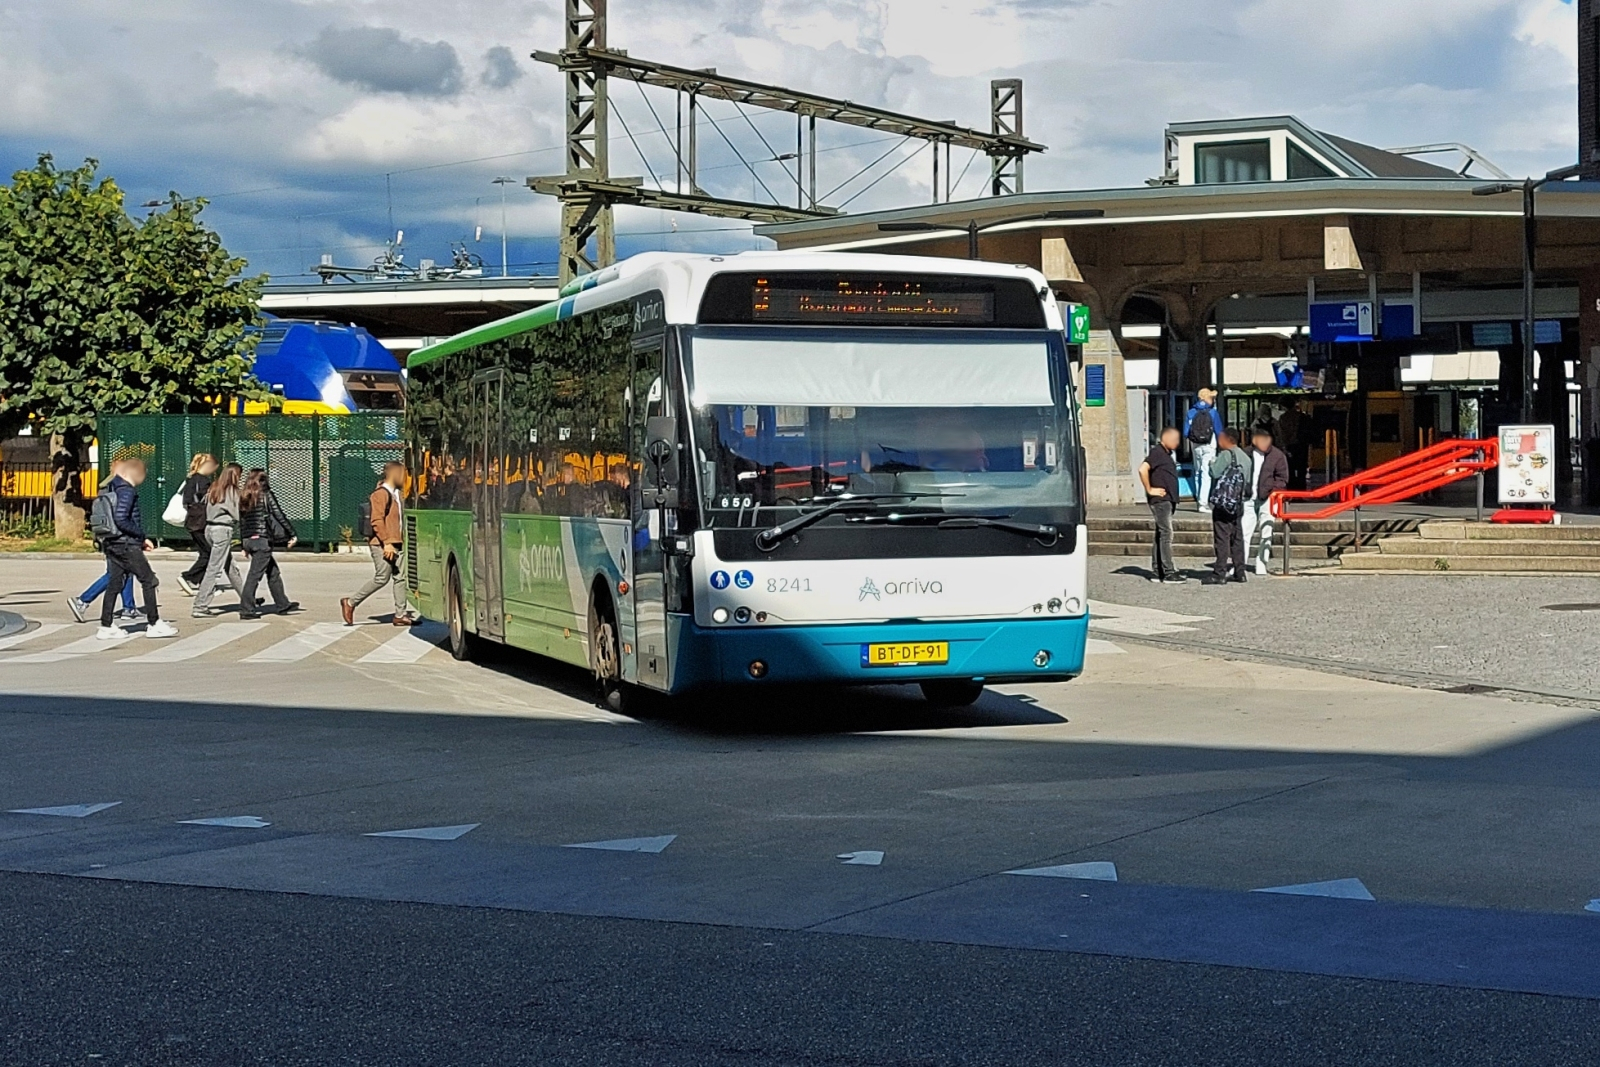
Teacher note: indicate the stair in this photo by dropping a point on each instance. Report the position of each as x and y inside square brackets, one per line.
[1191, 536]
[1460, 547]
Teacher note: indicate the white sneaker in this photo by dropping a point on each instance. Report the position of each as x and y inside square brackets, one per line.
[1261, 566]
[77, 607]
[112, 633]
[161, 629]
[186, 585]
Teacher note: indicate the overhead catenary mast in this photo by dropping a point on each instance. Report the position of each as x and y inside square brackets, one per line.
[588, 191]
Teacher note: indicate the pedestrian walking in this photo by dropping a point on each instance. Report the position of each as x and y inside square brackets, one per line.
[1230, 484]
[79, 605]
[222, 518]
[262, 524]
[1159, 474]
[382, 523]
[1200, 429]
[118, 526]
[1269, 473]
[202, 468]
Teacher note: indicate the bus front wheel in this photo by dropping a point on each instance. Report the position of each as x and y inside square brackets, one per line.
[605, 656]
[951, 694]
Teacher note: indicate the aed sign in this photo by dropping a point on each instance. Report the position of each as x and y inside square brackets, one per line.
[1348, 320]
[1077, 324]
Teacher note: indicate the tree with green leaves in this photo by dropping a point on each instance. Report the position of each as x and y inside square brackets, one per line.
[101, 313]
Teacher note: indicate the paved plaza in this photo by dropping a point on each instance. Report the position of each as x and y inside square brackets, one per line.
[290, 841]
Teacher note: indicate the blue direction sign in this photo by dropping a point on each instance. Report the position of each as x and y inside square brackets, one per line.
[1347, 320]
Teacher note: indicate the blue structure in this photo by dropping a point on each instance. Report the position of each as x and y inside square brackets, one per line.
[326, 368]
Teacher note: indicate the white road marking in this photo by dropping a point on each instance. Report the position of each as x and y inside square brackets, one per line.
[865, 858]
[1593, 905]
[1094, 871]
[1342, 888]
[208, 640]
[410, 646]
[67, 811]
[307, 642]
[1097, 647]
[42, 631]
[430, 833]
[238, 822]
[83, 646]
[630, 844]
[1127, 619]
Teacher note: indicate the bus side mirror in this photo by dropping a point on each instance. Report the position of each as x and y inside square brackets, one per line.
[661, 450]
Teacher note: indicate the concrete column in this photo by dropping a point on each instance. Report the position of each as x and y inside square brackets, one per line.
[1111, 480]
[1589, 371]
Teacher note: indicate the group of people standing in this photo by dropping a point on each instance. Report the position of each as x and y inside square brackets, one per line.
[1233, 485]
[223, 503]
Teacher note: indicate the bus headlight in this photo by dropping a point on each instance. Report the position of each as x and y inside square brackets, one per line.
[741, 615]
[719, 615]
[1041, 658]
[1054, 605]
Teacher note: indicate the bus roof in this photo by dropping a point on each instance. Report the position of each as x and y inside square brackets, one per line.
[682, 279]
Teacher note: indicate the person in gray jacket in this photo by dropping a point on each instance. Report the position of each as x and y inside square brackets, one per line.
[1227, 535]
[222, 516]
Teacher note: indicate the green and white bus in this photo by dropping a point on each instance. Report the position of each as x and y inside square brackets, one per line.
[760, 469]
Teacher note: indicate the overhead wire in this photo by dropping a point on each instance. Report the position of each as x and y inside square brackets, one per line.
[885, 174]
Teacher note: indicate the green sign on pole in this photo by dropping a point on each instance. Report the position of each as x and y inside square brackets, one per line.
[1077, 324]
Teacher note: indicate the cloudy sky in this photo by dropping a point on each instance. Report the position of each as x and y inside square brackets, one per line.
[320, 126]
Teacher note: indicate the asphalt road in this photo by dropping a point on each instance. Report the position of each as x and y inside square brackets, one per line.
[799, 878]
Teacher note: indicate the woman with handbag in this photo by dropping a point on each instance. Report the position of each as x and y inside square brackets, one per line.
[193, 497]
[262, 524]
[222, 516]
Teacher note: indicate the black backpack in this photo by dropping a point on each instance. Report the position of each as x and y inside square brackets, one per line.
[364, 520]
[103, 514]
[1202, 428]
[1227, 492]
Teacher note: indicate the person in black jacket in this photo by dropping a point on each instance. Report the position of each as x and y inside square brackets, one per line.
[201, 470]
[261, 524]
[125, 552]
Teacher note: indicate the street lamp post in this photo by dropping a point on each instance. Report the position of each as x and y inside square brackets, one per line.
[1530, 246]
[973, 229]
[504, 262]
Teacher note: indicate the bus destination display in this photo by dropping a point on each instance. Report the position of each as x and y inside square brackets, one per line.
[883, 303]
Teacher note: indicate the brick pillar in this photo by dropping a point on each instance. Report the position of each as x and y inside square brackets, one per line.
[1588, 88]
[1589, 378]
[1105, 429]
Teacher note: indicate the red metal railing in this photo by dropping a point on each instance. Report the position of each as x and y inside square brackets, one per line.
[1390, 483]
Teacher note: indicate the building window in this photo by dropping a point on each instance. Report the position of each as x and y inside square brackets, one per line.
[1302, 165]
[1233, 161]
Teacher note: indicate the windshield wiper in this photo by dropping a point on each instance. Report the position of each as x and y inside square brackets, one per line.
[771, 538]
[1047, 535]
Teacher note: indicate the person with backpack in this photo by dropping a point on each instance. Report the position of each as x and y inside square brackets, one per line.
[79, 605]
[118, 527]
[193, 497]
[262, 524]
[1230, 483]
[381, 522]
[222, 517]
[1200, 429]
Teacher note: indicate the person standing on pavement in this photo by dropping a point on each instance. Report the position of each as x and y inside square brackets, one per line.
[222, 517]
[125, 544]
[1200, 429]
[1230, 482]
[386, 541]
[1159, 475]
[201, 470]
[262, 524]
[1270, 472]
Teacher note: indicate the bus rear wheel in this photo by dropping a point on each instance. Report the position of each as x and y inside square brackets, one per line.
[951, 694]
[462, 643]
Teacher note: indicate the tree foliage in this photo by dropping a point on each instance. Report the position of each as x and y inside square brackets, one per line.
[103, 313]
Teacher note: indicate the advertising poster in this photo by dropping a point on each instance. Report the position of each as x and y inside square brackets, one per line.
[1528, 465]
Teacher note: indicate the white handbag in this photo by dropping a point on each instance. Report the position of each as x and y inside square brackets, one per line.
[176, 514]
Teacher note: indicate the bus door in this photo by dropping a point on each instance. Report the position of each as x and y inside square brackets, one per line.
[649, 517]
[487, 393]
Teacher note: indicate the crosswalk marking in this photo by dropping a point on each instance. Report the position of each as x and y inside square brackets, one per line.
[205, 641]
[408, 647]
[72, 650]
[43, 631]
[296, 647]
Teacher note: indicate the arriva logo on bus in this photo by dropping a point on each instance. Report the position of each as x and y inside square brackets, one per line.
[914, 587]
[540, 563]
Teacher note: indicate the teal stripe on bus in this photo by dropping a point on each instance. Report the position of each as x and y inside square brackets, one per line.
[493, 331]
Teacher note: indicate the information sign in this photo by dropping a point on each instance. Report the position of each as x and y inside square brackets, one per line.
[1527, 465]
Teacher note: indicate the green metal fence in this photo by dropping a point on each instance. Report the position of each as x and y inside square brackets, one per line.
[321, 466]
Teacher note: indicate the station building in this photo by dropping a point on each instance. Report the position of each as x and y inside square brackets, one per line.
[1210, 275]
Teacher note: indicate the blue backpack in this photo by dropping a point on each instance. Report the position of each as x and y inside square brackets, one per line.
[1227, 491]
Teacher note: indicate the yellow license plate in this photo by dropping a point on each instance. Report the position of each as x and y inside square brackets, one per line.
[905, 654]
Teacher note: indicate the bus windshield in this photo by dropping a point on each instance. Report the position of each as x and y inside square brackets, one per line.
[942, 421]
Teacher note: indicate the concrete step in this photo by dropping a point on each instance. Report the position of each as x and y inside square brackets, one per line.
[1461, 530]
[1143, 551]
[1423, 546]
[1388, 563]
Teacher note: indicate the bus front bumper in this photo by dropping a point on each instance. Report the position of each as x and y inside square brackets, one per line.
[1031, 650]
